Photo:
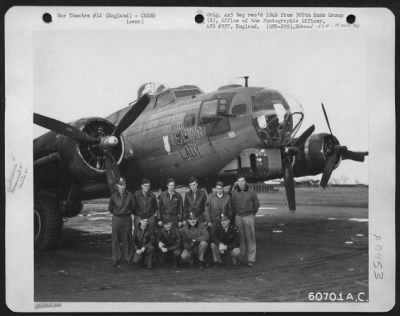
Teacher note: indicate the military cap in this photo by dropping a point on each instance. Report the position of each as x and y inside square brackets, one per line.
[145, 181]
[224, 217]
[167, 220]
[170, 179]
[121, 181]
[192, 215]
[219, 183]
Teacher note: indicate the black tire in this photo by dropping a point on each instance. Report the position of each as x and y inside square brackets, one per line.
[47, 223]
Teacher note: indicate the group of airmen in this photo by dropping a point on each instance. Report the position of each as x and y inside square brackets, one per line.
[183, 230]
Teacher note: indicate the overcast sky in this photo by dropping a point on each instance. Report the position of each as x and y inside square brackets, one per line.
[80, 74]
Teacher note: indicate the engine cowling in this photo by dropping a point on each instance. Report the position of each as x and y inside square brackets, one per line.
[312, 156]
[63, 157]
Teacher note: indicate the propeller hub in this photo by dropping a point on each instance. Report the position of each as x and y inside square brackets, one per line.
[95, 154]
[109, 142]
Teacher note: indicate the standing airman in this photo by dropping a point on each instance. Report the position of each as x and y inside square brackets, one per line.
[217, 203]
[121, 207]
[195, 200]
[245, 205]
[145, 204]
[170, 205]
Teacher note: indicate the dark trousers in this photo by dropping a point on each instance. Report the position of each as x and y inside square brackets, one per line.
[146, 257]
[163, 257]
[211, 232]
[197, 252]
[218, 256]
[122, 247]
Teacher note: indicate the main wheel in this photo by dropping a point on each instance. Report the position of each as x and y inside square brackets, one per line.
[47, 222]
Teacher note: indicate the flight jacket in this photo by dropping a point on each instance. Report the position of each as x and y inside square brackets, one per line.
[171, 240]
[245, 202]
[170, 207]
[230, 237]
[216, 206]
[143, 238]
[192, 236]
[196, 206]
[145, 205]
[121, 205]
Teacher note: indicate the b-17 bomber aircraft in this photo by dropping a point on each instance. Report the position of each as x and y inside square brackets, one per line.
[178, 132]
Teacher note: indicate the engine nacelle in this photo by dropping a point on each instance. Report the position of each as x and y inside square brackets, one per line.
[312, 157]
[79, 161]
[256, 164]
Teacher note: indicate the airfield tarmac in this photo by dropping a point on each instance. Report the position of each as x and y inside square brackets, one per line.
[322, 247]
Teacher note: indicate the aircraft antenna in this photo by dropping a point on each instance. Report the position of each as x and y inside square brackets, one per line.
[246, 80]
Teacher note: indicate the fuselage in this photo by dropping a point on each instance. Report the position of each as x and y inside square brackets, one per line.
[182, 132]
[199, 134]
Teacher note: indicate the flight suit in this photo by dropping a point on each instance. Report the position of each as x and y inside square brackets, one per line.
[195, 202]
[171, 206]
[121, 207]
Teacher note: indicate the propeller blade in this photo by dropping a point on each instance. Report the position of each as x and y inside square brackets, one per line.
[326, 118]
[303, 137]
[112, 171]
[353, 155]
[62, 128]
[330, 164]
[131, 115]
[289, 184]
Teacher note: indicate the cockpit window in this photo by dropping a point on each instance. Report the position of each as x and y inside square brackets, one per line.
[239, 109]
[208, 112]
[151, 88]
[190, 120]
[186, 93]
[214, 122]
[165, 98]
